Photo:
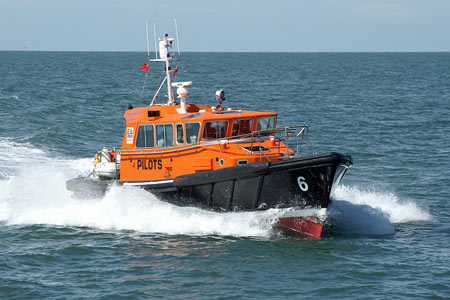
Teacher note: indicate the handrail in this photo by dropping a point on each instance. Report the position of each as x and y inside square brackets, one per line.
[296, 132]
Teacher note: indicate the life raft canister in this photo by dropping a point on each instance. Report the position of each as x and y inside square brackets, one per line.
[105, 155]
[107, 164]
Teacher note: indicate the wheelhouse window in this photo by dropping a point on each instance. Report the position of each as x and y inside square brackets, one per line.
[242, 127]
[146, 136]
[164, 135]
[192, 131]
[266, 123]
[215, 130]
[180, 134]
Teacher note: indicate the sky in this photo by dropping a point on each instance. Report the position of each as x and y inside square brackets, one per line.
[227, 25]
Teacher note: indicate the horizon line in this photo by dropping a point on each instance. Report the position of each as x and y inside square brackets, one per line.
[188, 51]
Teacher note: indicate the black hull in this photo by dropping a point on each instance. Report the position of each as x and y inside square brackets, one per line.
[305, 182]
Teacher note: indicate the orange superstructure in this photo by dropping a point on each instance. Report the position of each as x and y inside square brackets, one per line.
[160, 143]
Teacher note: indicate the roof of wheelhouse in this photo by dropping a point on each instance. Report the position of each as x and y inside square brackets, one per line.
[195, 112]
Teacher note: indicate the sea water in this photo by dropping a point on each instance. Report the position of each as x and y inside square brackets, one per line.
[388, 232]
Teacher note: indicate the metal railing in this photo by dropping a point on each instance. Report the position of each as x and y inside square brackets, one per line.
[292, 137]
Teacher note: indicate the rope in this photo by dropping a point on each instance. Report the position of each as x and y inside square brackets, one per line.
[143, 87]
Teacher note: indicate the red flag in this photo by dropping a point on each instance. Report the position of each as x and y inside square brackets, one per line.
[175, 71]
[144, 67]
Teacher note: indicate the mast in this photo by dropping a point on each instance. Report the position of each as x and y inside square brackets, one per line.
[164, 56]
[171, 100]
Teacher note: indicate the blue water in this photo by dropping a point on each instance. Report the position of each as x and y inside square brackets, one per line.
[388, 235]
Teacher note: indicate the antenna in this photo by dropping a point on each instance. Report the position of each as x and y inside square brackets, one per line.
[148, 56]
[178, 40]
[146, 31]
[154, 33]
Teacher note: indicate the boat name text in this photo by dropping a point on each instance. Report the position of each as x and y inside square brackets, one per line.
[149, 164]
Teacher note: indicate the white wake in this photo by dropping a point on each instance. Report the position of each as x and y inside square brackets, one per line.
[32, 191]
[372, 212]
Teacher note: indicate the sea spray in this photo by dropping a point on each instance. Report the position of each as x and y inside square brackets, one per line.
[351, 218]
[369, 212]
[129, 208]
[34, 193]
[397, 210]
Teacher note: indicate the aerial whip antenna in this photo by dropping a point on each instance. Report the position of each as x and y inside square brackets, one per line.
[178, 40]
[178, 45]
[154, 34]
[146, 31]
[148, 57]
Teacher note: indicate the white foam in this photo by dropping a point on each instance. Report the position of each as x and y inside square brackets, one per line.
[359, 219]
[372, 212]
[34, 192]
[45, 202]
[14, 97]
[398, 211]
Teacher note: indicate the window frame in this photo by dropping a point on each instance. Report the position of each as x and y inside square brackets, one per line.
[145, 136]
[176, 134]
[244, 119]
[198, 132]
[165, 136]
[214, 121]
[274, 121]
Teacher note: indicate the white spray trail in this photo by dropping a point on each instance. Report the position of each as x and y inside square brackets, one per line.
[372, 212]
[32, 191]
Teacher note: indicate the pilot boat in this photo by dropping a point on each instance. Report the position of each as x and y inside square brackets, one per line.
[218, 159]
